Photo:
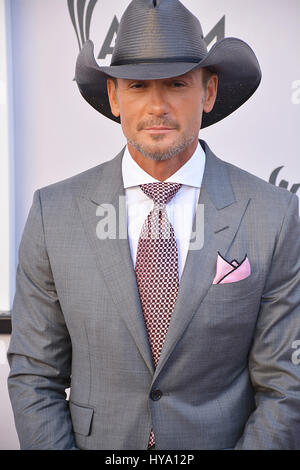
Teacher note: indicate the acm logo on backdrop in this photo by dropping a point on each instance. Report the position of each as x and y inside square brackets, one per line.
[81, 15]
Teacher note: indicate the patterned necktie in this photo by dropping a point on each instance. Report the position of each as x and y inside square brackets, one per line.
[157, 268]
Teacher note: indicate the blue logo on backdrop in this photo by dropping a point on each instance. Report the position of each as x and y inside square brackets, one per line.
[81, 12]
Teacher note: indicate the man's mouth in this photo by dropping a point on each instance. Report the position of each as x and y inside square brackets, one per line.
[158, 129]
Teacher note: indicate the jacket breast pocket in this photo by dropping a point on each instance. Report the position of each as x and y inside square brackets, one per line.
[81, 416]
[227, 315]
[251, 285]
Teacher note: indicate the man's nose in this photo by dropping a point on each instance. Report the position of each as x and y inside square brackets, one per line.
[157, 100]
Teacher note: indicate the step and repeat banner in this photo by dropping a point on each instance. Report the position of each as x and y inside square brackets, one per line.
[56, 134]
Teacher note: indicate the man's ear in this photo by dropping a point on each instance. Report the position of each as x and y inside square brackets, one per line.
[112, 96]
[211, 93]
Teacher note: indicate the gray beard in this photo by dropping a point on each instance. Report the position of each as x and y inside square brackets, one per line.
[160, 156]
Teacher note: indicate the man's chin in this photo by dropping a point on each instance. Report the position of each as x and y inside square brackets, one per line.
[160, 151]
[157, 153]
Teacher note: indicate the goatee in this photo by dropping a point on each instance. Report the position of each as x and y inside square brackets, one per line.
[161, 155]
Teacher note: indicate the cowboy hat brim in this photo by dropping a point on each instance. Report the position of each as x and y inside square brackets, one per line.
[232, 59]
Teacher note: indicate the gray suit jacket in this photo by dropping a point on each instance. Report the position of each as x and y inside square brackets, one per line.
[226, 372]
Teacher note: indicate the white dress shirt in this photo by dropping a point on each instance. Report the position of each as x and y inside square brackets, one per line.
[181, 209]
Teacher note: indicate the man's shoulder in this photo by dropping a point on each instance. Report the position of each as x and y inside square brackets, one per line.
[73, 184]
[255, 187]
[77, 185]
[246, 184]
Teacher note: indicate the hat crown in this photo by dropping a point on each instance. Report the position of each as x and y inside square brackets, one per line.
[158, 31]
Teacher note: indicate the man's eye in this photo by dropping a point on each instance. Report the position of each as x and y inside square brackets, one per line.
[136, 85]
[178, 84]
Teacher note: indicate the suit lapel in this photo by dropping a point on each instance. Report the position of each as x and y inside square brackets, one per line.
[222, 217]
[113, 256]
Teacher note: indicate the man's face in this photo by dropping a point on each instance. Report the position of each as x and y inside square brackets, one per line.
[161, 118]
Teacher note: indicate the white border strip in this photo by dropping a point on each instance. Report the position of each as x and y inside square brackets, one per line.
[7, 212]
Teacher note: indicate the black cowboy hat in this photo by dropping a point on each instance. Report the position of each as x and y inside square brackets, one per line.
[162, 39]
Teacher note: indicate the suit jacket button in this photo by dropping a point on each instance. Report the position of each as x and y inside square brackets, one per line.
[156, 395]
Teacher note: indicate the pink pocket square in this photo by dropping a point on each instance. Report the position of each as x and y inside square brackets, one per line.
[232, 271]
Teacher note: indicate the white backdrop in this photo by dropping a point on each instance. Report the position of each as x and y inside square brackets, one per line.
[57, 134]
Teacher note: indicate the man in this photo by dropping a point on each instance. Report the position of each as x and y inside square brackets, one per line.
[165, 341]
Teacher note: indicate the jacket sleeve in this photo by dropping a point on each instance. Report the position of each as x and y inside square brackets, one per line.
[273, 365]
[39, 353]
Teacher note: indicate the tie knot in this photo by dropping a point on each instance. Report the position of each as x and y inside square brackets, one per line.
[161, 192]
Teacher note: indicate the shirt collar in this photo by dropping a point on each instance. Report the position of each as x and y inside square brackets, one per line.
[190, 174]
